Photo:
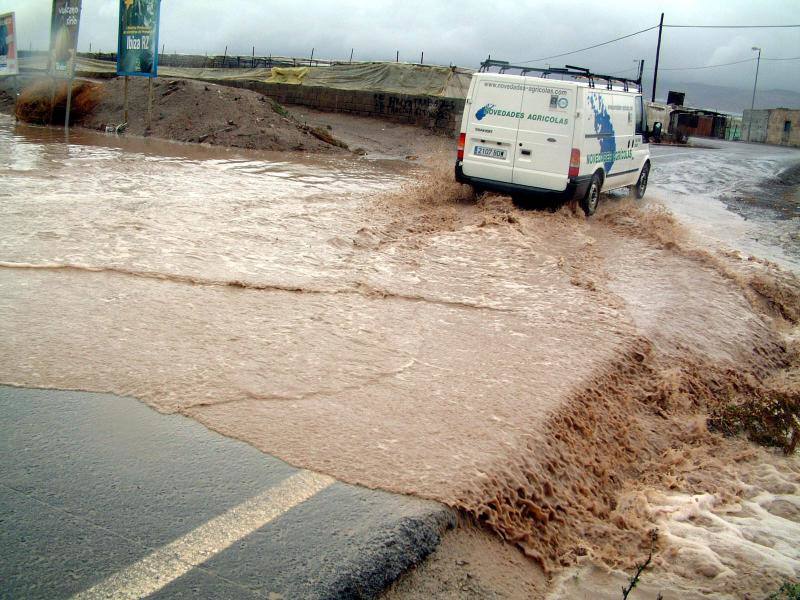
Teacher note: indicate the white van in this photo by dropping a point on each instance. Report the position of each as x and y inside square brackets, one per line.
[522, 135]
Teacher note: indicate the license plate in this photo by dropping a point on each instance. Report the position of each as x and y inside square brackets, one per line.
[490, 152]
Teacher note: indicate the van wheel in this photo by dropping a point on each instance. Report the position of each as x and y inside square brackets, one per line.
[589, 201]
[641, 185]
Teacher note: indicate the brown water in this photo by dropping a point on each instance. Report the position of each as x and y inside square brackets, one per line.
[363, 320]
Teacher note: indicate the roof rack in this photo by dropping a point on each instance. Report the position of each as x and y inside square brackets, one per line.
[568, 70]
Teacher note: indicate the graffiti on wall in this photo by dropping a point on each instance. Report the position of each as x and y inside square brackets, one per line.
[439, 112]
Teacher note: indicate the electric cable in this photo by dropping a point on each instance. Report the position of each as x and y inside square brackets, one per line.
[590, 47]
[731, 26]
[738, 62]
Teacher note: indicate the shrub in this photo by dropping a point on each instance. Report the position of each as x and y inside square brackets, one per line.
[39, 100]
[771, 421]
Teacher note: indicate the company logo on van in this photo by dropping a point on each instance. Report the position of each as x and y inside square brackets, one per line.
[482, 112]
[490, 109]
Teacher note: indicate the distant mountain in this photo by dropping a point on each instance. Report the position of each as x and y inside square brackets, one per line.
[726, 99]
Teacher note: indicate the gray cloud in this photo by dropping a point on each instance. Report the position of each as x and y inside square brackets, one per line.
[463, 32]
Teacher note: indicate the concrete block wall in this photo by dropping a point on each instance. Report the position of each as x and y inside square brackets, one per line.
[754, 125]
[439, 114]
[776, 129]
[768, 126]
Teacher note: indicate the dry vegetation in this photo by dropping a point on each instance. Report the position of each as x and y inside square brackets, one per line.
[43, 103]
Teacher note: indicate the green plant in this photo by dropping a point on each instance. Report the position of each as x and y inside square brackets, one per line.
[788, 591]
[771, 421]
[279, 109]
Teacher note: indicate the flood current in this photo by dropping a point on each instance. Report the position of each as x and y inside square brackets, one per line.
[368, 320]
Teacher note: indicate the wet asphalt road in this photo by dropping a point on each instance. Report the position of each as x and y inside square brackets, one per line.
[102, 497]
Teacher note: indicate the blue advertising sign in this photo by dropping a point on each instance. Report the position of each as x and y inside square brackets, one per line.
[137, 47]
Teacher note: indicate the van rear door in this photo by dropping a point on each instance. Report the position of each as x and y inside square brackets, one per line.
[544, 141]
[491, 134]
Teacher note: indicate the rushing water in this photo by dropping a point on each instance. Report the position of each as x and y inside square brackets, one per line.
[746, 196]
[336, 315]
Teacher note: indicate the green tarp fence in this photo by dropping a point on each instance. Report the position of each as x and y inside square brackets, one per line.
[395, 78]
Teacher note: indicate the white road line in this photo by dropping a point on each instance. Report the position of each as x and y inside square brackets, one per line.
[169, 562]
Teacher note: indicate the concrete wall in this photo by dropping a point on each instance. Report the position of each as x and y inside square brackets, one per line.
[440, 114]
[776, 133]
[754, 125]
[768, 126]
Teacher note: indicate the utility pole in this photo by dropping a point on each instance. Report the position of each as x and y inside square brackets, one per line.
[658, 53]
[755, 84]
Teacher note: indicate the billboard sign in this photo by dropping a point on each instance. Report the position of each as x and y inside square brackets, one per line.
[137, 46]
[8, 45]
[64, 36]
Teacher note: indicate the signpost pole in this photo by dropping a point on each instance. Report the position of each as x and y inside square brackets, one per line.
[125, 101]
[150, 104]
[52, 98]
[70, 72]
[69, 104]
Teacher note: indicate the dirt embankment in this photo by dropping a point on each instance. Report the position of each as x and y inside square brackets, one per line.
[183, 111]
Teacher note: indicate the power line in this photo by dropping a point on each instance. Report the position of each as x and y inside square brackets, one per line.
[738, 62]
[590, 47]
[731, 26]
[673, 26]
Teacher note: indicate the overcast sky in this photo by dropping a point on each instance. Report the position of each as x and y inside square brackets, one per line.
[465, 32]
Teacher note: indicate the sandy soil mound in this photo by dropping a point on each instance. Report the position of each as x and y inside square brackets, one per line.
[183, 111]
[192, 111]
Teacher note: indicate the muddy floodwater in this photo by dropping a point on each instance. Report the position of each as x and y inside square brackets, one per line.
[366, 319]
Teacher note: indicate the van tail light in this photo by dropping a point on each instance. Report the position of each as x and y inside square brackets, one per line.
[574, 163]
[462, 140]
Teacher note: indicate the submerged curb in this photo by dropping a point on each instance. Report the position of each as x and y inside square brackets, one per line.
[105, 497]
[392, 552]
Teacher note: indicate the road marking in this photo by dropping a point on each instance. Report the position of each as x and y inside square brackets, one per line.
[169, 562]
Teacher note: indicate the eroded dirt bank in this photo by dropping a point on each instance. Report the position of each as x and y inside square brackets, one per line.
[204, 113]
[539, 371]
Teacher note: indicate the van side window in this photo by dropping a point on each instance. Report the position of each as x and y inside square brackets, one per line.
[640, 124]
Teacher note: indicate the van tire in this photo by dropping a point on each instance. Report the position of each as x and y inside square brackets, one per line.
[641, 184]
[591, 198]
